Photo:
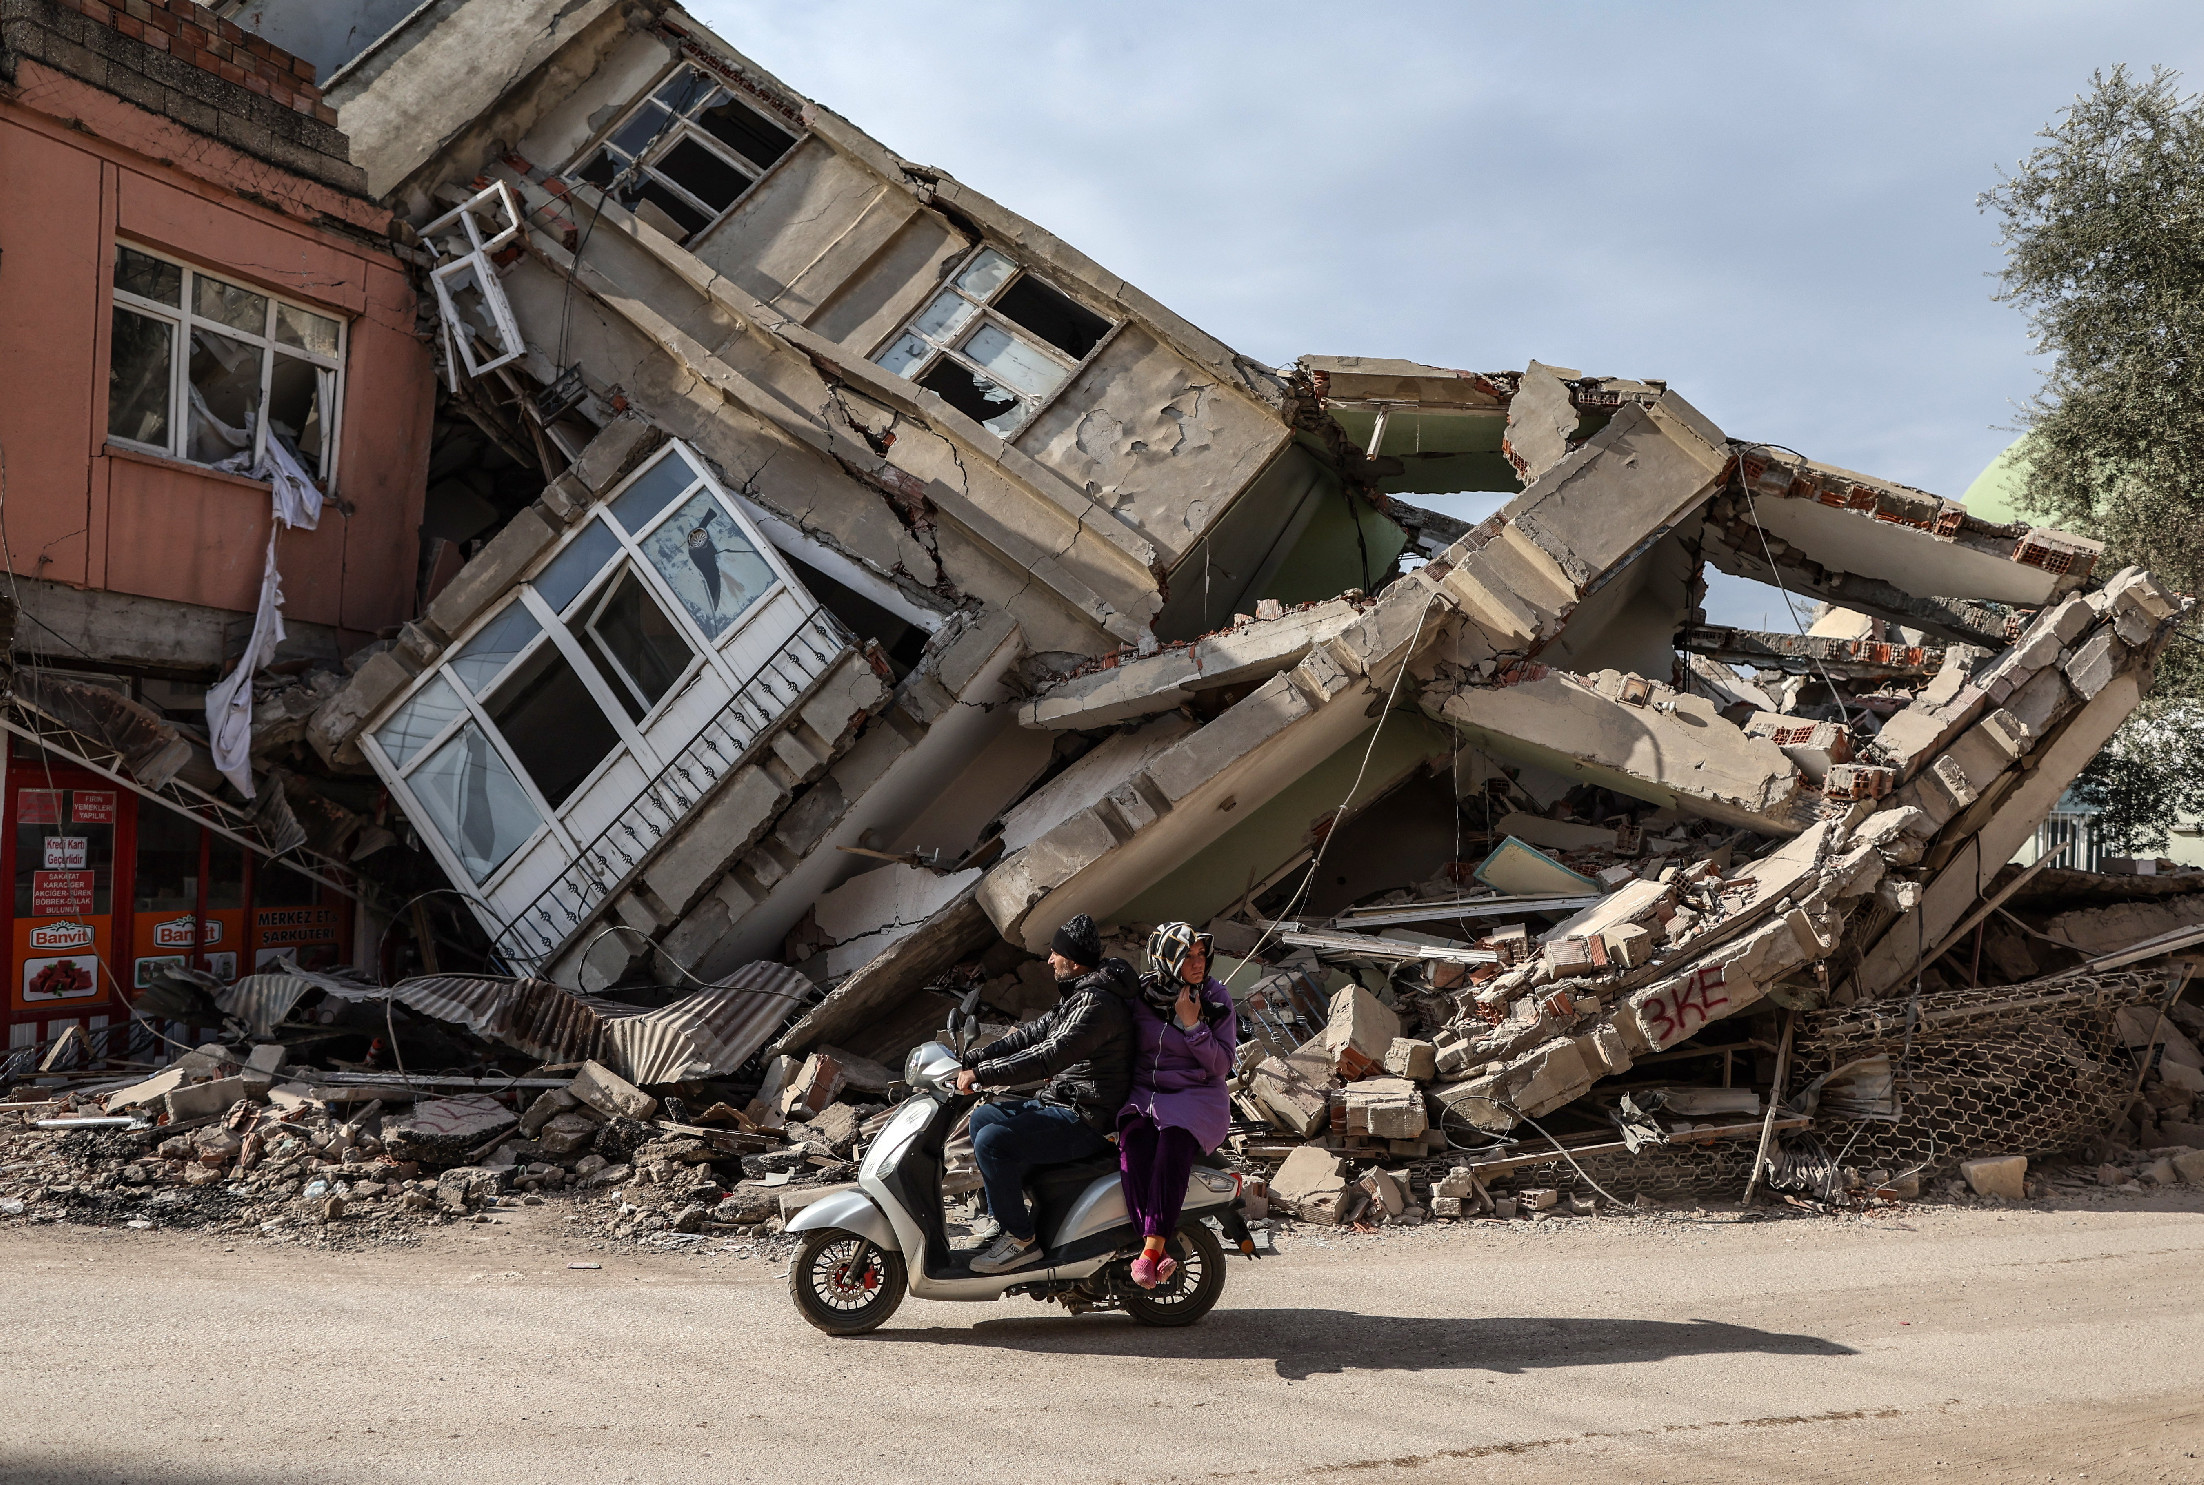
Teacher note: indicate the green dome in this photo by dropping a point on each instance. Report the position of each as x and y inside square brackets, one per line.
[1994, 495]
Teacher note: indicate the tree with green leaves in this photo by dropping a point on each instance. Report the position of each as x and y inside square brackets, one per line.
[2103, 229]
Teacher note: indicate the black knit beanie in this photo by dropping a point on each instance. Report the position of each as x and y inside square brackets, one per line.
[1079, 941]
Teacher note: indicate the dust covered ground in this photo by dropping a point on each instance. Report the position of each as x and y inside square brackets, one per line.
[2050, 1341]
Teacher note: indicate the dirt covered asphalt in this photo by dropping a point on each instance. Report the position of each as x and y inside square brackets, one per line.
[1940, 1343]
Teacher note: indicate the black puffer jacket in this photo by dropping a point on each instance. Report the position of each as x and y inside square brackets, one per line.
[1084, 1048]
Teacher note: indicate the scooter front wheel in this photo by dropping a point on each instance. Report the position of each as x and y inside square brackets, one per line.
[839, 1289]
[1193, 1289]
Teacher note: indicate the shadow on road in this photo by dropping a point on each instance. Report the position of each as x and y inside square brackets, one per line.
[1304, 1343]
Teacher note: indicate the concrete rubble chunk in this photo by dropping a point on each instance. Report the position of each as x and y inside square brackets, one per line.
[1997, 1175]
[1412, 1059]
[1385, 1108]
[444, 1131]
[1361, 1030]
[1311, 1185]
[610, 1094]
[815, 1085]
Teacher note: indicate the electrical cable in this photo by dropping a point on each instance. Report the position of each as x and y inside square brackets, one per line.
[1308, 878]
[1790, 606]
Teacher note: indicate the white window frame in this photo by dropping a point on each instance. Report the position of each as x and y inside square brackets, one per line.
[1028, 405]
[455, 264]
[182, 319]
[684, 126]
[552, 628]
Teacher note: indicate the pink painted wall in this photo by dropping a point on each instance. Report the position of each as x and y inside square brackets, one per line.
[79, 167]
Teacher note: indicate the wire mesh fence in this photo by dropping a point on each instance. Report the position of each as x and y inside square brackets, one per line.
[2032, 1069]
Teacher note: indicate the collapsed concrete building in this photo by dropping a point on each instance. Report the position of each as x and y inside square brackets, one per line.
[902, 582]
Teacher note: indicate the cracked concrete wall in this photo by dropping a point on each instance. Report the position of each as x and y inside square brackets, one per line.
[1148, 435]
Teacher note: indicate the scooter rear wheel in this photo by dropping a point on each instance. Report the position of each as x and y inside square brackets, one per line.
[836, 1292]
[1194, 1288]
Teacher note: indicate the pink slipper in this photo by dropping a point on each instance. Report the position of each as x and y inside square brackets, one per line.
[1144, 1270]
[1165, 1267]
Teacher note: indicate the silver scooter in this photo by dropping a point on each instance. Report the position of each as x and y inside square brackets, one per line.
[861, 1249]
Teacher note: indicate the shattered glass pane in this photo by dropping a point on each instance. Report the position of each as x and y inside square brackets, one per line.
[554, 726]
[475, 802]
[472, 304]
[148, 277]
[684, 90]
[419, 721]
[907, 352]
[745, 131]
[634, 136]
[137, 378]
[702, 174]
[225, 397]
[1014, 362]
[481, 658]
[602, 167]
[986, 274]
[975, 396]
[709, 564]
[654, 489]
[637, 644]
[297, 394]
[240, 309]
[306, 330]
[577, 567]
[942, 319]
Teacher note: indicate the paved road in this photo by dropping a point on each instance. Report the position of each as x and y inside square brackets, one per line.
[1947, 1345]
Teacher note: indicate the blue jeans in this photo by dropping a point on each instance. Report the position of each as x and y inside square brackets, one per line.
[1011, 1137]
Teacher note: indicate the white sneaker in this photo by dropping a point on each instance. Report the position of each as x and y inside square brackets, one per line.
[1006, 1253]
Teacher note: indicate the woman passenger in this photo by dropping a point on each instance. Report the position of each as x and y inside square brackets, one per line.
[1187, 1032]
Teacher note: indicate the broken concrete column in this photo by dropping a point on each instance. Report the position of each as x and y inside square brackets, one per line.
[1670, 748]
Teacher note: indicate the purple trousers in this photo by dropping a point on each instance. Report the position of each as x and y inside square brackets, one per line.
[1154, 1164]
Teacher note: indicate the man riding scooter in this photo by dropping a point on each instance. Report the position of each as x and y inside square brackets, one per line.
[1084, 1047]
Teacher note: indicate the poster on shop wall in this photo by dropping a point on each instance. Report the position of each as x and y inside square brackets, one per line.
[64, 845]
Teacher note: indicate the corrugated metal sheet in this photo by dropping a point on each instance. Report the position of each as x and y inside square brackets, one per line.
[537, 1017]
[711, 1033]
[263, 1001]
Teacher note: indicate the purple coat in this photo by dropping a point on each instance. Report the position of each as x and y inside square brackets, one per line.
[1179, 1075]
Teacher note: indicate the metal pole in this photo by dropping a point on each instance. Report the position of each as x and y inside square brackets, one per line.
[1775, 1098]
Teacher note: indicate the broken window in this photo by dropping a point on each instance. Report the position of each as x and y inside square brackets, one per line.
[525, 715]
[685, 154]
[204, 369]
[478, 319]
[995, 343]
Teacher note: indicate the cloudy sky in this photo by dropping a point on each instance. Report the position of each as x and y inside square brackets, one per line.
[1772, 207]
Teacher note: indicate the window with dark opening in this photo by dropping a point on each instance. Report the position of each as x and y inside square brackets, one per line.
[980, 400]
[1071, 328]
[635, 643]
[551, 722]
[996, 343]
[902, 640]
[685, 154]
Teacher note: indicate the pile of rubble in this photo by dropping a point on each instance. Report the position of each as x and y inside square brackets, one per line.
[240, 1142]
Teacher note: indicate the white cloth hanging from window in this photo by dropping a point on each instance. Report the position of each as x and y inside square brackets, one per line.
[230, 702]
